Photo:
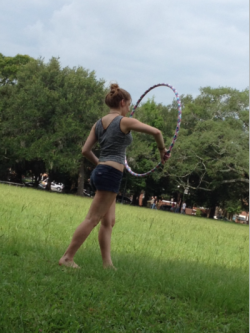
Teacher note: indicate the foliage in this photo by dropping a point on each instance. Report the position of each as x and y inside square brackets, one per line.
[143, 154]
[198, 213]
[233, 207]
[211, 152]
[49, 114]
[10, 66]
[46, 113]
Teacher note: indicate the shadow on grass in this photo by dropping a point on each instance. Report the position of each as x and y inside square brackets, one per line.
[143, 292]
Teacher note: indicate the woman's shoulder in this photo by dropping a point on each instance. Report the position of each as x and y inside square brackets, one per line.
[97, 125]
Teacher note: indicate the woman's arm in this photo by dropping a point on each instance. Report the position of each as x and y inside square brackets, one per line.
[130, 124]
[87, 147]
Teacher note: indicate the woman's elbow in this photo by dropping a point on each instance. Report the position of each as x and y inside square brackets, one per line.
[84, 152]
[157, 132]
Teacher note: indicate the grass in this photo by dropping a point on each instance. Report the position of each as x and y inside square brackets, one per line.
[175, 273]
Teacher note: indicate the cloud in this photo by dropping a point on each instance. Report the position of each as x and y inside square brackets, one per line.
[138, 43]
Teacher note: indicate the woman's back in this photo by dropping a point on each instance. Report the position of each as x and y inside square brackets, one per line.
[106, 120]
[112, 140]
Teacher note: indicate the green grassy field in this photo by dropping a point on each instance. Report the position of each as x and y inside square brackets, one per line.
[175, 273]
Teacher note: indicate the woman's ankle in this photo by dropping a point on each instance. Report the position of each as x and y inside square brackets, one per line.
[66, 258]
[107, 263]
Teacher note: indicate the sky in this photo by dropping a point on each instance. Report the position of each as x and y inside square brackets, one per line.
[137, 43]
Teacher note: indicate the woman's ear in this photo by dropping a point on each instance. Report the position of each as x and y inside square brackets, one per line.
[122, 103]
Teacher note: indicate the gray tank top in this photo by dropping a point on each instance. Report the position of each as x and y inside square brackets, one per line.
[112, 140]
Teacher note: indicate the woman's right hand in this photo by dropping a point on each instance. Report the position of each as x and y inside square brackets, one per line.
[130, 124]
[165, 155]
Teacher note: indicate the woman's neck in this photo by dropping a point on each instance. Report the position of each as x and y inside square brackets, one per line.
[115, 111]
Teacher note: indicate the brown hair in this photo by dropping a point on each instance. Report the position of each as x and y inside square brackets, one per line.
[115, 95]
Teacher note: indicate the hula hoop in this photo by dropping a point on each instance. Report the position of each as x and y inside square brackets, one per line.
[176, 130]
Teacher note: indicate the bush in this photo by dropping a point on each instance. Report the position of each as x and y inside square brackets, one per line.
[198, 213]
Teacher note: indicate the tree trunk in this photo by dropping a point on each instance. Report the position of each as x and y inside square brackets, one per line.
[19, 172]
[37, 172]
[81, 179]
[136, 198]
[212, 212]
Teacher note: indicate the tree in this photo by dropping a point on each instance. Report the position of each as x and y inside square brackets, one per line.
[46, 113]
[143, 154]
[232, 207]
[211, 153]
[49, 115]
[9, 67]
[210, 156]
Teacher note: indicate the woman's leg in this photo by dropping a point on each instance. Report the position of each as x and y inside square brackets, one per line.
[104, 236]
[99, 207]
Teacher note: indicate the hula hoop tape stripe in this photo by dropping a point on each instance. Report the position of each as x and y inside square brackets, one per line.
[176, 130]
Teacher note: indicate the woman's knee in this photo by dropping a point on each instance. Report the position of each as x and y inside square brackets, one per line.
[93, 220]
[108, 222]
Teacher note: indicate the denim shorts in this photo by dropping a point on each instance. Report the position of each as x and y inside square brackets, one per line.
[106, 178]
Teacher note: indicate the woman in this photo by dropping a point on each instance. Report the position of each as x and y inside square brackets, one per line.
[141, 197]
[113, 132]
[172, 207]
[155, 202]
[152, 202]
[177, 208]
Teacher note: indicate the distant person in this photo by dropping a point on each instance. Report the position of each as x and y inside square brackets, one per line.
[155, 202]
[177, 208]
[183, 208]
[113, 132]
[44, 176]
[172, 207]
[152, 202]
[141, 197]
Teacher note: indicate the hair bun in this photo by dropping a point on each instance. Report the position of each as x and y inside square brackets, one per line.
[114, 86]
[115, 95]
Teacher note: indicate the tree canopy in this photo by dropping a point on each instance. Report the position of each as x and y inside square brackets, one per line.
[211, 153]
[46, 113]
[9, 67]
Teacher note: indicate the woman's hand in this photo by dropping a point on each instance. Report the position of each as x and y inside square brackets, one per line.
[165, 155]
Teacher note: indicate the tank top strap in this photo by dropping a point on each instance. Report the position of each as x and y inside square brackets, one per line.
[117, 120]
[98, 128]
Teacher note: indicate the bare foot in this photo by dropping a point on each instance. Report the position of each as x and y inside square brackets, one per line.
[68, 263]
[109, 266]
